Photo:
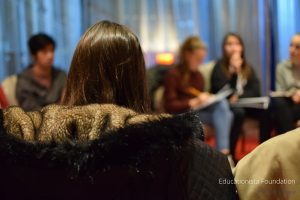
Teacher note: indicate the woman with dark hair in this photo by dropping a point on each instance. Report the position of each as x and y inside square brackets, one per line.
[108, 68]
[101, 143]
[184, 87]
[233, 69]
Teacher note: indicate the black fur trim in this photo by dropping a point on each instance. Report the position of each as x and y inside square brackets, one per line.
[126, 146]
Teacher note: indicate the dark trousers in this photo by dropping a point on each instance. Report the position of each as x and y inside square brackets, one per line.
[285, 113]
[263, 116]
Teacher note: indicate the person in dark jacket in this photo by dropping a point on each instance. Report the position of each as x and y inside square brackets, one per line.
[40, 84]
[234, 70]
[101, 143]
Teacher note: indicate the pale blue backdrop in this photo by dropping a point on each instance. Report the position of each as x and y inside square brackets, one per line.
[265, 25]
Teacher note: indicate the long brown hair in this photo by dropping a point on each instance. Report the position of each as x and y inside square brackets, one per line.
[225, 60]
[108, 67]
[191, 44]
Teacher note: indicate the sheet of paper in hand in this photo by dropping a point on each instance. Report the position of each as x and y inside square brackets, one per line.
[223, 94]
[253, 102]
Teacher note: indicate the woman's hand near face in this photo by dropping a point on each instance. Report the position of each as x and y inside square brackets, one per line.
[236, 62]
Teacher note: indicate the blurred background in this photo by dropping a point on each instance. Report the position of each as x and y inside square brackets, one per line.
[265, 25]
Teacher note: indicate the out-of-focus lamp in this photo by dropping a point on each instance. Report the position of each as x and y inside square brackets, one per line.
[164, 58]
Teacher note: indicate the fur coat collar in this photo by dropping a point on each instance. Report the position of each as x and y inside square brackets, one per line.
[86, 139]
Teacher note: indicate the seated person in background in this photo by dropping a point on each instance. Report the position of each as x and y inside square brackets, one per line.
[40, 83]
[287, 109]
[271, 170]
[234, 70]
[184, 91]
[101, 143]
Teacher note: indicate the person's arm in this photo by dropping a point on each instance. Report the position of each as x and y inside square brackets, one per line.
[281, 84]
[270, 161]
[280, 79]
[219, 79]
[258, 166]
[252, 88]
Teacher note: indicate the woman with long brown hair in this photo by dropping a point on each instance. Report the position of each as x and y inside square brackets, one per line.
[108, 67]
[234, 70]
[184, 87]
[100, 143]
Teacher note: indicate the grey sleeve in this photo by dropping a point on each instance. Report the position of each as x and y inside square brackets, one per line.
[280, 78]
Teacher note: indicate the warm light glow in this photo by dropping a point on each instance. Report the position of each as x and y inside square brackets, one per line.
[164, 58]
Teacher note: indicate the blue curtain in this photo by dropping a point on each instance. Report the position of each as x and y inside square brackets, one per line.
[161, 25]
[286, 25]
[19, 19]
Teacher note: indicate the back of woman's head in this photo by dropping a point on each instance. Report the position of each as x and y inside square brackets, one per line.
[107, 67]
